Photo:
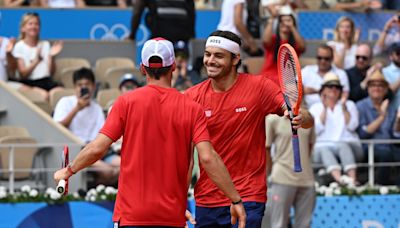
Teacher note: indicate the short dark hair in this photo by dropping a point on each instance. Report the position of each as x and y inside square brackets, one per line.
[230, 36]
[156, 73]
[84, 73]
[326, 47]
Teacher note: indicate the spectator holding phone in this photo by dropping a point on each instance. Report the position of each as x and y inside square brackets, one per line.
[80, 113]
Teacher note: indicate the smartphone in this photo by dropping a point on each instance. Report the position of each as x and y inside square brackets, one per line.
[84, 91]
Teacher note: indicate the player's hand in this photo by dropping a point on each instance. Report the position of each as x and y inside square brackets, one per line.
[189, 218]
[238, 213]
[61, 174]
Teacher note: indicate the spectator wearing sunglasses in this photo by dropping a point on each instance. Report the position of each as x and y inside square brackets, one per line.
[336, 121]
[313, 75]
[359, 74]
[392, 73]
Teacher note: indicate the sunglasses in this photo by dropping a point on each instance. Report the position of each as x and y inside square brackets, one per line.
[32, 14]
[361, 57]
[381, 85]
[319, 58]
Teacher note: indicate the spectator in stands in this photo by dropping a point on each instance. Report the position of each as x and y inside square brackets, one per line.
[378, 120]
[182, 76]
[359, 74]
[84, 118]
[108, 3]
[7, 61]
[233, 18]
[80, 113]
[288, 188]
[336, 121]
[35, 57]
[127, 83]
[272, 7]
[352, 5]
[19, 3]
[313, 75]
[286, 32]
[389, 35]
[344, 43]
[392, 73]
[173, 20]
[62, 3]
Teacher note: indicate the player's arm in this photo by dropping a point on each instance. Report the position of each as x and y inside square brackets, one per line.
[219, 174]
[92, 152]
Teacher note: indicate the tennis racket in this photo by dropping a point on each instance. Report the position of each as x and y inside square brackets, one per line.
[290, 81]
[62, 186]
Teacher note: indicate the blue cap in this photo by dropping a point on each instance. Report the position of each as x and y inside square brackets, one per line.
[128, 77]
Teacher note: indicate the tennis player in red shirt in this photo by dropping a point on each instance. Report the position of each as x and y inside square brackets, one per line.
[158, 125]
[235, 106]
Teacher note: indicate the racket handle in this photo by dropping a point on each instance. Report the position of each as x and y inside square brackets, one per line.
[61, 186]
[296, 154]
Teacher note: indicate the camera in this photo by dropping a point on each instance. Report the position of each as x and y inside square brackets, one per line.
[84, 91]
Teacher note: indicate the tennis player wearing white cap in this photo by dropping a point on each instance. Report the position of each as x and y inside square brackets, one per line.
[158, 125]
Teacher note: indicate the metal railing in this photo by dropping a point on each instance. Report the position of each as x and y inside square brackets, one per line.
[11, 169]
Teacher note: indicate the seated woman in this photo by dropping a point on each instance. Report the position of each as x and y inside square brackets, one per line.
[35, 57]
[336, 121]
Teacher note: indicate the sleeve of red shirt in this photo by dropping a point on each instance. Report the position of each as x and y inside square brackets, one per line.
[271, 97]
[115, 122]
[200, 132]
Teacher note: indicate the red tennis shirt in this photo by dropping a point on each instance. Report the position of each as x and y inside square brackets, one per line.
[236, 123]
[158, 126]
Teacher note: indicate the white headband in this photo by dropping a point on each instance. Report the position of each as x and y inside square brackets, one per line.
[224, 43]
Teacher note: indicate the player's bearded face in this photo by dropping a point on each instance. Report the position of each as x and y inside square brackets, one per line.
[218, 62]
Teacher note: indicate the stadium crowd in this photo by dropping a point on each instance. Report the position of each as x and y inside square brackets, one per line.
[352, 91]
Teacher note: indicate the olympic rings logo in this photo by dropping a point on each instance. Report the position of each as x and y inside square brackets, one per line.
[116, 32]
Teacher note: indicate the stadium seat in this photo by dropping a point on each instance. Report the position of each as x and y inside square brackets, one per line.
[103, 64]
[66, 77]
[105, 96]
[114, 74]
[13, 131]
[253, 64]
[57, 95]
[62, 63]
[23, 156]
[37, 99]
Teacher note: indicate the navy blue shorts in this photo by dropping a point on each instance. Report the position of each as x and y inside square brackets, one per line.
[207, 217]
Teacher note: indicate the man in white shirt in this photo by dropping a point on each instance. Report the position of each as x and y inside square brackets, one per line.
[233, 17]
[392, 73]
[80, 113]
[313, 75]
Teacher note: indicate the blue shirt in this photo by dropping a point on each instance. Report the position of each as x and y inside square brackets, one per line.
[368, 114]
[392, 75]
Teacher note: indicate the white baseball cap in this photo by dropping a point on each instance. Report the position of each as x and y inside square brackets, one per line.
[161, 48]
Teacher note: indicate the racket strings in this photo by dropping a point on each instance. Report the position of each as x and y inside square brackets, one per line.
[289, 76]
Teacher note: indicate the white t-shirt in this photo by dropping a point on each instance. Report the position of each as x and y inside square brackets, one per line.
[311, 79]
[62, 3]
[28, 54]
[349, 56]
[3, 59]
[86, 124]
[335, 128]
[226, 23]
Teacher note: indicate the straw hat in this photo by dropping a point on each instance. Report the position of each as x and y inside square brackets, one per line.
[331, 78]
[377, 76]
